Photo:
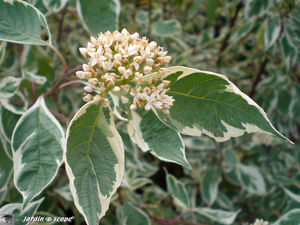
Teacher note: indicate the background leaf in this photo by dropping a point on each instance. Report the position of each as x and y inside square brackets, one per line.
[99, 15]
[21, 22]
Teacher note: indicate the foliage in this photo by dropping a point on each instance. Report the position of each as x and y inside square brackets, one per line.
[214, 157]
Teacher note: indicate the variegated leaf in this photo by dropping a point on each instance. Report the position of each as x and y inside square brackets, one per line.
[99, 15]
[21, 22]
[37, 144]
[94, 160]
[292, 217]
[150, 134]
[208, 103]
[220, 216]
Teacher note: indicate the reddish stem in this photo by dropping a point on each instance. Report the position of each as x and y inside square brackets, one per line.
[59, 115]
[33, 92]
[69, 83]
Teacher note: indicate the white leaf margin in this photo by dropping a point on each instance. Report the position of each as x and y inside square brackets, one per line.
[17, 156]
[231, 131]
[119, 168]
[26, 4]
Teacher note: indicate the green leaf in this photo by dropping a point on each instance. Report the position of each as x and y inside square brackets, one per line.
[166, 28]
[37, 144]
[139, 182]
[19, 214]
[55, 5]
[178, 191]
[94, 160]
[9, 86]
[132, 215]
[17, 103]
[6, 166]
[256, 8]
[272, 31]
[289, 51]
[99, 15]
[251, 179]
[292, 217]
[217, 215]
[22, 23]
[210, 185]
[211, 9]
[208, 103]
[293, 196]
[150, 134]
[230, 157]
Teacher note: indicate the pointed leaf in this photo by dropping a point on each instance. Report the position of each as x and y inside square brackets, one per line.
[256, 8]
[223, 217]
[9, 86]
[166, 28]
[210, 185]
[178, 191]
[251, 179]
[150, 134]
[37, 144]
[21, 22]
[209, 103]
[292, 217]
[132, 215]
[272, 31]
[99, 15]
[94, 160]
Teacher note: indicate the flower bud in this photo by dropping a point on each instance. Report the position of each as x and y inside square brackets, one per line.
[88, 89]
[80, 75]
[133, 107]
[121, 69]
[116, 89]
[147, 69]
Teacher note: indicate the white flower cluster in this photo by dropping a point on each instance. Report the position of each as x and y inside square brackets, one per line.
[118, 62]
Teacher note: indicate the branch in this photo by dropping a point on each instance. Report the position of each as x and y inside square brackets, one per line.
[258, 76]
[62, 59]
[59, 81]
[231, 24]
[61, 21]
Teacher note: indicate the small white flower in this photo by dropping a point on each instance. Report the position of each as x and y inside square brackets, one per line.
[97, 97]
[93, 81]
[118, 57]
[149, 62]
[148, 106]
[133, 107]
[135, 36]
[124, 100]
[152, 45]
[116, 89]
[83, 51]
[147, 69]
[121, 69]
[94, 61]
[80, 75]
[119, 37]
[132, 49]
[124, 31]
[88, 89]
[87, 75]
[87, 98]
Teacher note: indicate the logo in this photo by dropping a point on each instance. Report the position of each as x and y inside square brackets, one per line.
[7, 219]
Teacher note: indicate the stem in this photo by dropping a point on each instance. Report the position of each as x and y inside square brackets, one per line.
[69, 83]
[59, 81]
[59, 115]
[258, 76]
[231, 24]
[33, 92]
[60, 26]
[62, 59]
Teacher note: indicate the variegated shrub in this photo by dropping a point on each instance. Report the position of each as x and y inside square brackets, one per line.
[73, 151]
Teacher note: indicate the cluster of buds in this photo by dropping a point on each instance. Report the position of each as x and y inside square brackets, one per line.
[118, 62]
